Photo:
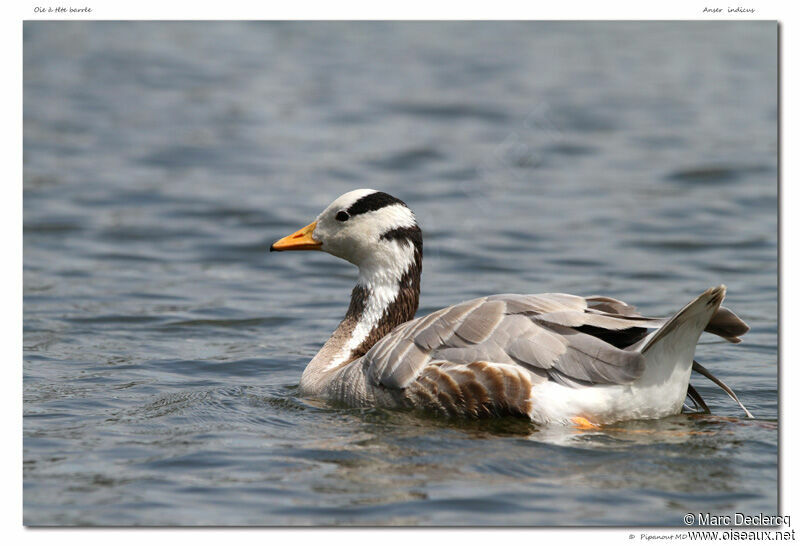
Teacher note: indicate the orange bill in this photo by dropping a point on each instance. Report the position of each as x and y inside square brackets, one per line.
[299, 240]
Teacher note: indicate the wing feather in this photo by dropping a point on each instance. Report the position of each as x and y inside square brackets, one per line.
[481, 322]
[535, 333]
[610, 305]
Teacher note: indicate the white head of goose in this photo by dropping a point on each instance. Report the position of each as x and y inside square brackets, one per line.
[553, 358]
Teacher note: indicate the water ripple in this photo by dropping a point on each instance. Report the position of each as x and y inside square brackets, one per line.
[163, 344]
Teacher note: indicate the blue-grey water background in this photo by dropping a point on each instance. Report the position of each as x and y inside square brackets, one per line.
[163, 344]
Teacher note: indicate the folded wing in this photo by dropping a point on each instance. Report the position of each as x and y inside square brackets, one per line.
[557, 337]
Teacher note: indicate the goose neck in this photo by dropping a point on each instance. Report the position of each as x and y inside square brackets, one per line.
[380, 301]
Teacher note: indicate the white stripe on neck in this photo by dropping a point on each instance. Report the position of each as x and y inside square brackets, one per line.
[382, 284]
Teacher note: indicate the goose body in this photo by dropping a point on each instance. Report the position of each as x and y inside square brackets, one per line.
[553, 358]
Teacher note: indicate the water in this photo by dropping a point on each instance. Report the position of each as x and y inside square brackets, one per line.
[163, 344]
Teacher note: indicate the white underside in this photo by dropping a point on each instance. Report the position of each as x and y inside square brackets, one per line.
[659, 392]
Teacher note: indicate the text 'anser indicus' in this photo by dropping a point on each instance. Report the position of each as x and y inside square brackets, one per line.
[554, 358]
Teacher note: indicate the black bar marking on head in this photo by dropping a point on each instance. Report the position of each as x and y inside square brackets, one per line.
[411, 234]
[373, 201]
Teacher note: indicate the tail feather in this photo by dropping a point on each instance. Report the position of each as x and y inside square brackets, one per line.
[701, 310]
[696, 399]
[669, 352]
[679, 335]
[703, 371]
[727, 325]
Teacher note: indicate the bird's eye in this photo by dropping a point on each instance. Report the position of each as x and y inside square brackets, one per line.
[342, 216]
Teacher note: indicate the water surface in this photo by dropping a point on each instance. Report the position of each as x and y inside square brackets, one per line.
[163, 344]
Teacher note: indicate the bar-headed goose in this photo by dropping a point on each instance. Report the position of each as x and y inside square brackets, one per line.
[554, 358]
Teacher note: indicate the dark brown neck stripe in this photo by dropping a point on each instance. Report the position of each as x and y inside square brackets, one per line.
[405, 304]
[401, 310]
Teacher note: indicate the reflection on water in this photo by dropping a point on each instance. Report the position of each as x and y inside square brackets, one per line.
[163, 345]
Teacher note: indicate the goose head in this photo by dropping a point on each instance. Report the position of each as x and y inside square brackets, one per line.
[371, 229]
[379, 234]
